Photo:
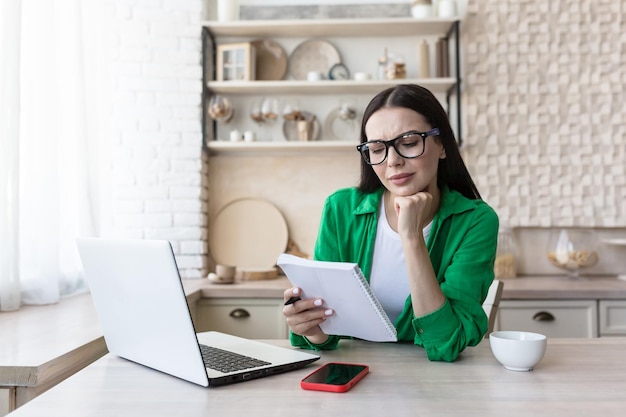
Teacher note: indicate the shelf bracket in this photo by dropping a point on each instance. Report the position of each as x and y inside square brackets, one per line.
[456, 88]
[209, 127]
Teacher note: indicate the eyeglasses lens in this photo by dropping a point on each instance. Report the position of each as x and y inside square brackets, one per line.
[409, 146]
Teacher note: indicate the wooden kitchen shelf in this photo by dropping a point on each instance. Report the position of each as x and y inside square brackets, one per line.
[331, 27]
[436, 85]
[241, 148]
[406, 29]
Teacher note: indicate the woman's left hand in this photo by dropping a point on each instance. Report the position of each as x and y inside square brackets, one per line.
[412, 212]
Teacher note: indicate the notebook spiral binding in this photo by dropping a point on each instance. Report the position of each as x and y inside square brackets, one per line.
[365, 287]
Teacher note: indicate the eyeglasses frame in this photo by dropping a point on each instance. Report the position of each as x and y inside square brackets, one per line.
[392, 142]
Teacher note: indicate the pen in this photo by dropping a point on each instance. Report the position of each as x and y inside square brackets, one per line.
[292, 300]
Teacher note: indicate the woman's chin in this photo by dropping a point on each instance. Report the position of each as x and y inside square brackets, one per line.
[409, 190]
[404, 191]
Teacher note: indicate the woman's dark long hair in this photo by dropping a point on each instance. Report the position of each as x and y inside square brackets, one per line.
[452, 170]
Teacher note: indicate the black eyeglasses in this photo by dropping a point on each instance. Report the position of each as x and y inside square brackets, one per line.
[408, 145]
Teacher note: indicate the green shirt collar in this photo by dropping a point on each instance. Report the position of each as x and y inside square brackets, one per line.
[370, 202]
[453, 202]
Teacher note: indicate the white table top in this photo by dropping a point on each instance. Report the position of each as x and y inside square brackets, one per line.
[577, 377]
[36, 340]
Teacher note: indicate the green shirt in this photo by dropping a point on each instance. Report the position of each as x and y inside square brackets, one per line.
[462, 248]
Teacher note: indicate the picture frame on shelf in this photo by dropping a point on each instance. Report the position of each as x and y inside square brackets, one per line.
[236, 62]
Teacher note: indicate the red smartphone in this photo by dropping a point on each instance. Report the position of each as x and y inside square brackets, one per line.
[335, 377]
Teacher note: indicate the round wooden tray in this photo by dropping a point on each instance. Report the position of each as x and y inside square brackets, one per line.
[249, 233]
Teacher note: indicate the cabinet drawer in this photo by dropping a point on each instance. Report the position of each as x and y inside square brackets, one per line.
[554, 318]
[612, 317]
[250, 318]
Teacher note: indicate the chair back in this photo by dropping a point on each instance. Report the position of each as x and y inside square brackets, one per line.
[492, 302]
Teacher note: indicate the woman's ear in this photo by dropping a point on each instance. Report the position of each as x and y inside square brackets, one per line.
[442, 155]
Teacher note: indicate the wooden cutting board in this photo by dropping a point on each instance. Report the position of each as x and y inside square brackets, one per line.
[249, 233]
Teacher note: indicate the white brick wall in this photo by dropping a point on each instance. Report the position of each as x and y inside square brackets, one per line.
[156, 83]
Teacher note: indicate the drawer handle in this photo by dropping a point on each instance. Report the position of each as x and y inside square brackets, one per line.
[543, 316]
[239, 313]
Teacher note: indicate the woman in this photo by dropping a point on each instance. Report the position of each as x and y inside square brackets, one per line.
[417, 227]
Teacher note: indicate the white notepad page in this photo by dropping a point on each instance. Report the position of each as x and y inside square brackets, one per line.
[343, 288]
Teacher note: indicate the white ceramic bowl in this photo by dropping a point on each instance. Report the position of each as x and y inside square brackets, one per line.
[516, 350]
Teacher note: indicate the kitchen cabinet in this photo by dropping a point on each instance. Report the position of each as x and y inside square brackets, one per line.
[594, 306]
[554, 318]
[357, 35]
[245, 317]
[612, 317]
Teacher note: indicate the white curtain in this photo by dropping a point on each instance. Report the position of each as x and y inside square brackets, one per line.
[9, 154]
[52, 126]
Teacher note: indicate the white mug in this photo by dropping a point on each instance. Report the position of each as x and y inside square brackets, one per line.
[248, 136]
[235, 135]
[422, 11]
[362, 76]
[314, 76]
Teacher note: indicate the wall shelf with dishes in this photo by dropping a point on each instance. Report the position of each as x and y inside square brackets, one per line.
[332, 66]
[436, 85]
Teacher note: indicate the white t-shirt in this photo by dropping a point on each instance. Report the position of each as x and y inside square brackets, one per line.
[388, 279]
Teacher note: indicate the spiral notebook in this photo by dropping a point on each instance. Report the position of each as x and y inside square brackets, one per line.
[342, 286]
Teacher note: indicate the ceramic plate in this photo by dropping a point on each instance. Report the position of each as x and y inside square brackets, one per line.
[312, 55]
[290, 128]
[337, 128]
[248, 233]
[270, 61]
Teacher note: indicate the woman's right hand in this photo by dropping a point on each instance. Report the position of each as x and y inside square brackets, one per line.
[304, 316]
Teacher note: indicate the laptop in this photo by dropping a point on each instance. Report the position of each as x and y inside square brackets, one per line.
[142, 308]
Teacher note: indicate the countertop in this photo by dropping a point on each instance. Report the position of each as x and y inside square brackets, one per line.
[520, 288]
[203, 288]
[563, 287]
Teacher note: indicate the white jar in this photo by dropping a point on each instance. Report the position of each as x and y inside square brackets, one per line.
[235, 135]
[422, 9]
[446, 8]
[249, 136]
[227, 10]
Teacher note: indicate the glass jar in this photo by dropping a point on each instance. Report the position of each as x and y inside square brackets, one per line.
[396, 68]
[505, 266]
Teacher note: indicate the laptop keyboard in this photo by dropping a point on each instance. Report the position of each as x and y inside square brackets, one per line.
[225, 361]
